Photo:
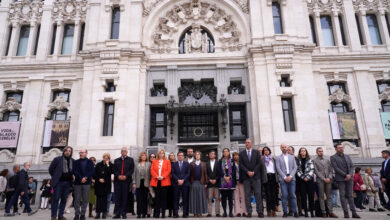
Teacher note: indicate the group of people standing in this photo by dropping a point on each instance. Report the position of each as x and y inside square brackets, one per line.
[198, 187]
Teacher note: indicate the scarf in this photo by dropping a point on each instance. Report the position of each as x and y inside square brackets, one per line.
[267, 159]
[66, 165]
[227, 170]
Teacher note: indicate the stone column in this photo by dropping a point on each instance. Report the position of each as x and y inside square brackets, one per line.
[58, 42]
[364, 28]
[46, 32]
[383, 27]
[351, 30]
[317, 25]
[337, 30]
[31, 39]
[76, 39]
[13, 44]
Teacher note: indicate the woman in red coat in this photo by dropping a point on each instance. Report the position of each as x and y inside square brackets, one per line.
[358, 188]
[160, 180]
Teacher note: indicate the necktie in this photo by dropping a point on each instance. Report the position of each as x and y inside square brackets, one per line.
[249, 154]
[180, 165]
[123, 164]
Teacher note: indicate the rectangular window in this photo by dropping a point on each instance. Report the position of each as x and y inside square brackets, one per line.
[237, 122]
[382, 86]
[23, 40]
[313, 31]
[67, 42]
[385, 106]
[110, 87]
[63, 94]
[277, 17]
[8, 40]
[53, 39]
[82, 37]
[285, 81]
[115, 20]
[359, 29]
[158, 126]
[333, 86]
[11, 116]
[342, 30]
[327, 30]
[288, 114]
[108, 125]
[339, 107]
[59, 115]
[16, 95]
[373, 29]
[37, 39]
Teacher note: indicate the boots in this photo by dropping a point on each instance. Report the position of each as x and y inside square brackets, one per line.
[90, 210]
[104, 216]
[97, 215]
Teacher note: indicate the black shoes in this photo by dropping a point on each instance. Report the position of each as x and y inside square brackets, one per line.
[97, 216]
[296, 215]
[82, 217]
[285, 215]
[116, 217]
[76, 217]
[354, 215]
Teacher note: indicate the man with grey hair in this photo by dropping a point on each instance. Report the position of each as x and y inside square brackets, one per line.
[324, 171]
[83, 171]
[21, 190]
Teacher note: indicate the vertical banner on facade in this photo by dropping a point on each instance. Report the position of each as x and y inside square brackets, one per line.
[56, 133]
[9, 134]
[343, 125]
[386, 124]
[334, 125]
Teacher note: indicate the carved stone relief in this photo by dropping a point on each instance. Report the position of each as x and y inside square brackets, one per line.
[370, 5]
[192, 12]
[25, 11]
[339, 96]
[10, 105]
[321, 6]
[385, 95]
[150, 4]
[69, 10]
[7, 156]
[51, 154]
[58, 104]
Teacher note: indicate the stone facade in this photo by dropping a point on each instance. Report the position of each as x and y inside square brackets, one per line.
[245, 48]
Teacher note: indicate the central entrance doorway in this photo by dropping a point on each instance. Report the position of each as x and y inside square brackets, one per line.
[205, 149]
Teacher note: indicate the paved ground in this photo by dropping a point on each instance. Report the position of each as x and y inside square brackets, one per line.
[45, 214]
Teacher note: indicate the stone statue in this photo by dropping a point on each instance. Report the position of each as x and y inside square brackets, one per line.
[196, 42]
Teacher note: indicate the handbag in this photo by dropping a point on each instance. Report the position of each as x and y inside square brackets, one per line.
[363, 187]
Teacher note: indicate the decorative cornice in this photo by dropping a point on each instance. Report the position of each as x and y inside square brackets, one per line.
[69, 10]
[324, 6]
[149, 5]
[25, 12]
[385, 95]
[371, 5]
[339, 96]
[58, 104]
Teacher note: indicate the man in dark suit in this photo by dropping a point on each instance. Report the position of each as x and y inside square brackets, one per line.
[61, 169]
[21, 190]
[180, 182]
[213, 184]
[123, 172]
[343, 167]
[252, 175]
[385, 174]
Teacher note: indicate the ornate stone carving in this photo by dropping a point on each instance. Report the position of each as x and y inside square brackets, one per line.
[58, 104]
[69, 10]
[198, 91]
[339, 96]
[150, 4]
[321, 6]
[10, 105]
[385, 95]
[192, 12]
[370, 5]
[7, 156]
[25, 11]
[51, 154]
[196, 42]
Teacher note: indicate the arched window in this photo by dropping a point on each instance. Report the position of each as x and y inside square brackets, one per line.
[11, 116]
[210, 43]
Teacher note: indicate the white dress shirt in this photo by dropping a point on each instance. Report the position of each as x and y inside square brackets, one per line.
[212, 162]
[190, 160]
[270, 167]
[285, 156]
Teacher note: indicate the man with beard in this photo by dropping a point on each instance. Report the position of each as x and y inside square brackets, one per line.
[190, 155]
[60, 170]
